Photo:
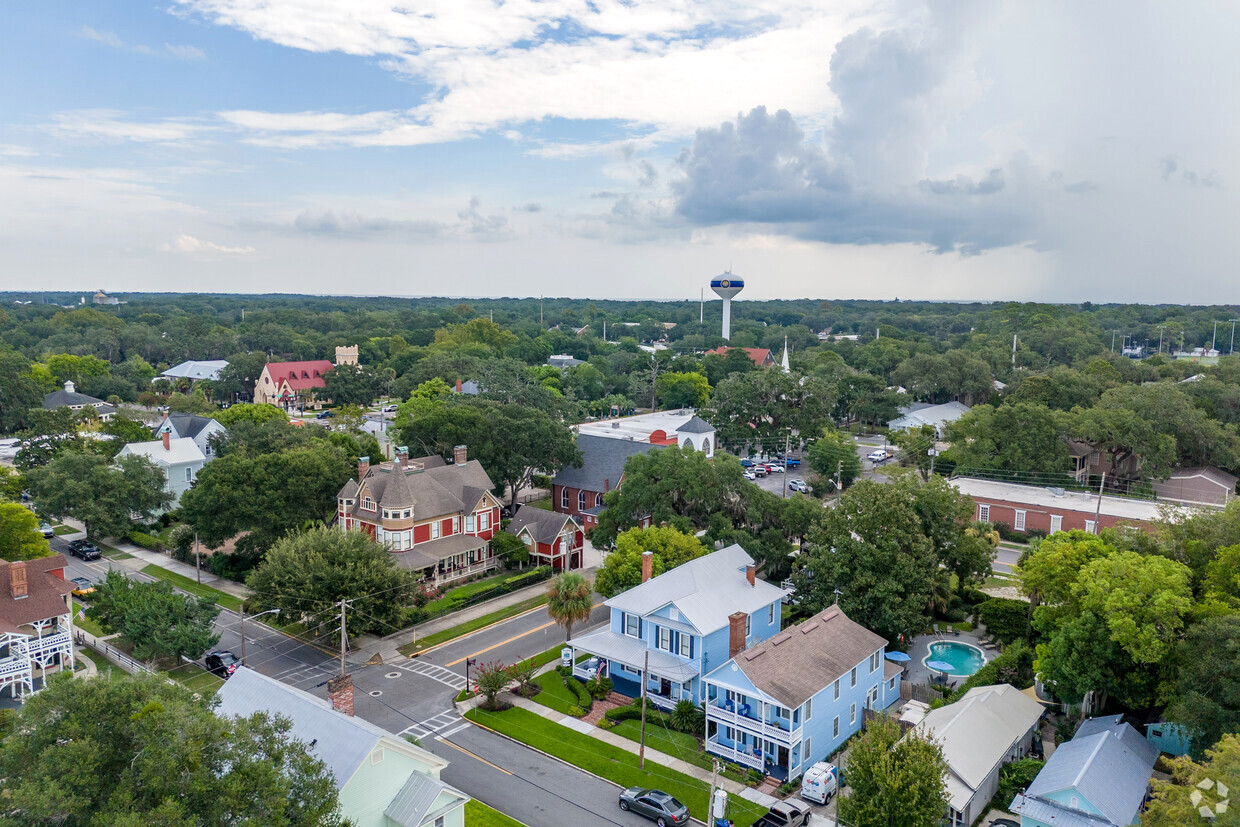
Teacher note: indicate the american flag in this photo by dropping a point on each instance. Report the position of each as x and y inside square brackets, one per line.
[81, 614]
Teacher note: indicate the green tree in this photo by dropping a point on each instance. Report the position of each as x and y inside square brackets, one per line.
[308, 573]
[19, 534]
[239, 376]
[1124, 433]
[622, 569]
[894, 781]
[248, 412]
[161, 623]
[1005, 618]
[1048, 571]
[1177, 802]
[683, 390]
[49, 434]
[12, 484]
[129, 731]
[1207, 669]
[871, 549]
[1022, 437]
[102, 493]
[569, 601]
[19, 392]
[765, 406]
[352, 385]
[125, 430]
[833, 456]
[945, 514]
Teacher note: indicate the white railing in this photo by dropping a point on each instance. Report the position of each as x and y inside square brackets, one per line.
[57, 641]
[19, 665]
[466, 571]
[714, 712]
[733, 754]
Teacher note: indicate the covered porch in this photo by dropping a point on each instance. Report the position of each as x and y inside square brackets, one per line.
[623, 659]
[748, 727]
[448, 559]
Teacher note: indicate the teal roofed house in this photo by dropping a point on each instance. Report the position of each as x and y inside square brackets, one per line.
[384, 781]
[1098, 779]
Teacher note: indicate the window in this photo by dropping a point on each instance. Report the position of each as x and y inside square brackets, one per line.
[686, 645]
[598, 500]
[456, 525]
[564, 498]
[806, 750]
[484, 520]
[852, 677]
[874, 661]
[1019, 525]
[835, 690]
[852, 714]
[1090, 525]
[809, 709]
[189, 474]
[469, 524]
[748, 624]
[435, 530]
[633, 625]
[871, 697]
[983, 513]
[368, 504]
[891, 684]
[665, 638]
[439, 821]
[1056, 523]
[770, 613]
[835, 727]
[408, 513]
[581, 501]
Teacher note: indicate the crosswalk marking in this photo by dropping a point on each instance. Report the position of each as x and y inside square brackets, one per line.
[430, 726]
[436, 673]
[453, 731]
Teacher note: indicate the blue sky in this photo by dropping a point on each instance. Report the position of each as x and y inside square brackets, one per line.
[615, 148]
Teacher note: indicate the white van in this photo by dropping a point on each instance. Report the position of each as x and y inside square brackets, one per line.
[821, 781]
[877, 456]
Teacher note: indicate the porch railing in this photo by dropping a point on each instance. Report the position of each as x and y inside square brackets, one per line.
[740, 756]
[466, 570]
[715, 712]
[48, 644]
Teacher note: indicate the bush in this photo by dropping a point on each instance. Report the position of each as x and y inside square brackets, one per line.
[1005, 618]
[584, 699]
[597, 688]
[1014, 778]
[146, 541]
[181, 541]
[688, 717]
[576, 712]
[755, 777]
[1036, 533]
[973, 597]
[541, 481]
[606, 724]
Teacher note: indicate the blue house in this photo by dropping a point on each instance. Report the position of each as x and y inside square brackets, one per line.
[794, 699]
[1098, 779]
[674, 628]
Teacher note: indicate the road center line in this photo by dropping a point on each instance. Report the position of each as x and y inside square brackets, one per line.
[510, 640]
[475, 756]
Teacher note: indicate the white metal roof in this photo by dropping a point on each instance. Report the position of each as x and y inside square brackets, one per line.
[638, 428]
[178, 452]
[196, 369]
[1118, 507]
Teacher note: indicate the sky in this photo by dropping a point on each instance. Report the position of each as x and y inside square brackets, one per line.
[1052, 151]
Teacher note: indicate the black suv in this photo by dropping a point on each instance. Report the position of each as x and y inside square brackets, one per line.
[222, 663]
[84, 549]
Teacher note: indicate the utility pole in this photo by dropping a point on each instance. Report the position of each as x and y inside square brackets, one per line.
[839, 478]
[1214, 338]
[241, 611]
[1013, 351]
[197, 560]
[787, 450]
[344, 640]
[1161, 328]
[540, 310]
[702, 306]
[641, 750]
[1113, 332]
[1098, 508]
[1233, 337]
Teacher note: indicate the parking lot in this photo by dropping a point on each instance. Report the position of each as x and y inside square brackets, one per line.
[869, 470]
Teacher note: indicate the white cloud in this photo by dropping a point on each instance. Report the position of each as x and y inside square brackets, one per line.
[15, 151]
[188, 244]
[109, 124]
[107, 38]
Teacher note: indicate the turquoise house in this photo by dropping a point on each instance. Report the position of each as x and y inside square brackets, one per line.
[1170, 738]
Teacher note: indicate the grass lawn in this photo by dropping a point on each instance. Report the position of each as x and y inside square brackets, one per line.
[106, 668]
[459, 596]
[998, 581]
[676, 744]
[555, 695]
[196, 679]
[478, 814]
[472, 625]
[85, 624]
[192, 586]
[616, 765]
[113, 553]
[62, 530]
[544, 504]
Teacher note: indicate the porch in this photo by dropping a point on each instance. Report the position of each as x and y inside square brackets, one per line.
[448, 559]
[623, 659]
[749, 750]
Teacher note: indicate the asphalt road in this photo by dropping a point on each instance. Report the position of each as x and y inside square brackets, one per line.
[1005, 559]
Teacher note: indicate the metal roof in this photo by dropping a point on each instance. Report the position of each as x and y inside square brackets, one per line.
[632, 652]
[179, 451]
[413, 804]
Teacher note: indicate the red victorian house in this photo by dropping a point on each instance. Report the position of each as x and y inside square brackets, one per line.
[438, 519]
[553, 539]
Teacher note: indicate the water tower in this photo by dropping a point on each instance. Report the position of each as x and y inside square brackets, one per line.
[725, 287]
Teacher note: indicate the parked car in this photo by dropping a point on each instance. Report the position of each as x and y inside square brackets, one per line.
[798, 485]
[792, 462]
[656, 805]
[389, 408]
[324, 414]
[820, 782]
[222, 663]
[760, 470]
[45, 528]
[85, 550]
[774, 468]
[746, 462]
[790, 813]
[82, 587]
[878, 456]
[750, 475]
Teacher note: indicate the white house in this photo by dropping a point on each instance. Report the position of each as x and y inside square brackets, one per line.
[190, 426]
[919, 413]
[987, 728]
[179, 459]
[196, 370]
[36, 623]
[383, 780]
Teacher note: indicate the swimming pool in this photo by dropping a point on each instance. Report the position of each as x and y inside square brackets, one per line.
[964, 657]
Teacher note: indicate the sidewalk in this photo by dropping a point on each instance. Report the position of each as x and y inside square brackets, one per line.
[142, 557]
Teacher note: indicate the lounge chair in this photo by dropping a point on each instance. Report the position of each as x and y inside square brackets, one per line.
[936, 629]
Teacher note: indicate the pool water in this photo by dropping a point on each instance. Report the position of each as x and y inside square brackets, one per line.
[965, 659]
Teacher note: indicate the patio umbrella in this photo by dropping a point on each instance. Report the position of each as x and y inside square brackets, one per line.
[898, 657]
[940, 666]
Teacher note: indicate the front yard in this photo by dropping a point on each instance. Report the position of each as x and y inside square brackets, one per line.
[192, 586]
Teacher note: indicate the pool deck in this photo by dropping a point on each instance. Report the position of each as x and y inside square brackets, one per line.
[918, 673]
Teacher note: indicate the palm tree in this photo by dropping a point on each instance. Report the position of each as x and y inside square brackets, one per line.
[569, 600]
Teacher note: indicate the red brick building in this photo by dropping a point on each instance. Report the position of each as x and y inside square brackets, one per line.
[438, 519]
[553, 539]
[1028, 507]
[762, 357]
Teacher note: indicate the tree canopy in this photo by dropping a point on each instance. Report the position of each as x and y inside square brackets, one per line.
[894, 781]
[159, 622]
[103, 493]
[19, 534]
[622, 568]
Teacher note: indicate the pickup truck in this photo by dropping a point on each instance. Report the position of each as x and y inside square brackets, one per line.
[790, 813]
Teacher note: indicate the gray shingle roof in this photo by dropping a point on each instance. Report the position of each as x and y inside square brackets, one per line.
[186, 425]
[696, 425]
[59, 399]
[1109, 765]
[800, 662]
[544, 526]
[602, 460]
[412, 805]
[434, 491]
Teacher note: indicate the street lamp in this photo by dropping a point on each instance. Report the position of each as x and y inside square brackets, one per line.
[468, 663]
[260, 614]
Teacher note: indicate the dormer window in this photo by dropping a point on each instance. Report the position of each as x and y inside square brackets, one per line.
[368, 504]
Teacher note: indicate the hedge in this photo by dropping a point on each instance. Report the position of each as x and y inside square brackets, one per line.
[1018, 657]
[584, 699]
[146, 541]
[1005, 618]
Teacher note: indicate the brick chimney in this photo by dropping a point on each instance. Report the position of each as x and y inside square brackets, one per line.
[402, 456]
[17, 580]
[363, 466]
[606, 486]
[167, 439]
[736, 633]
[460, 455]
[340, 693]
[749, 574]
[458, 385]
[647, 565]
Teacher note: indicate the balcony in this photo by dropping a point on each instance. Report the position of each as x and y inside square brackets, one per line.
[738, 755]
[41, 648]
[14, 667]
[742, 718]
[466, 571]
